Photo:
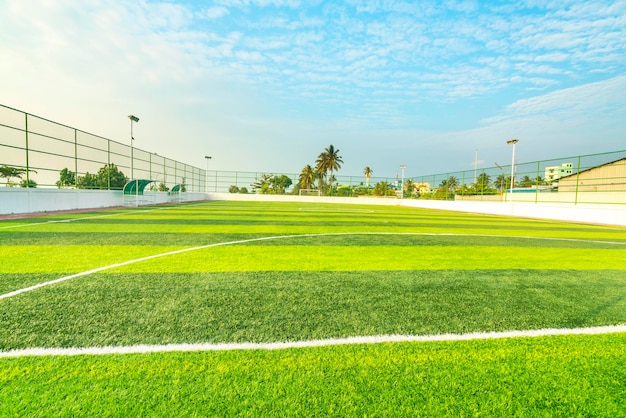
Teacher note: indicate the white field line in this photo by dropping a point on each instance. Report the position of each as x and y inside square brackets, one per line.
[377, 339]
[219, 244]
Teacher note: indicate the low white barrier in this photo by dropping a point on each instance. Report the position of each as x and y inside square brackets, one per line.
[14, 200]
[605, 214]
[22, 200]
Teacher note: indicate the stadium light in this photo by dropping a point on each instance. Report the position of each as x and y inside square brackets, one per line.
[402, 184]
[512, 142]
[133, 118]
[206, 174]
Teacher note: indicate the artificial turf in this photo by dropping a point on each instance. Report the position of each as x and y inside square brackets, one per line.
[269, 271]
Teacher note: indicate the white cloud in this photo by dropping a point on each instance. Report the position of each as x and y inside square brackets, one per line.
[216, 12]
[382, 64]
[590, 99]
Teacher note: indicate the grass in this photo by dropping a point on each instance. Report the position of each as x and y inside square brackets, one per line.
[549, 376]
[214, 307]
[377, 270]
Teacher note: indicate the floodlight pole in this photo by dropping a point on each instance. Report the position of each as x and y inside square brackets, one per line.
[206, 174]
[132, 158]
[475, 164]
[402, 184]
[512, 142]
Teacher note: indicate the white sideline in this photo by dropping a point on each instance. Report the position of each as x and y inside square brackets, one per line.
[378, 339]
[219, 244]
[84, 218]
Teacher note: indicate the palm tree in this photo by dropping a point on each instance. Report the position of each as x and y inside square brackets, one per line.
[307, 177]
[501, 182]
[409, 186]
[368, 174]
[329, 160]
[483, 182]
[380, 189]
[9, 172]
[453, 183]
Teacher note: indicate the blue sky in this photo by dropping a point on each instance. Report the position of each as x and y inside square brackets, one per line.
[266, 85]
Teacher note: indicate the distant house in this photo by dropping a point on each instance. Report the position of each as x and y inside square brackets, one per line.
[609, 177]
[423, 188]
[554, 173]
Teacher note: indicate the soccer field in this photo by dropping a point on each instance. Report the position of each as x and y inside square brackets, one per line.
[281, 309]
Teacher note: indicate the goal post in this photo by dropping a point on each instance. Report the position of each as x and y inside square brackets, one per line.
[310, 192]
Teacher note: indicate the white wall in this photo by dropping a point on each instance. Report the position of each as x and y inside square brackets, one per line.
[22, 200]
[554, 197]
[605, 214]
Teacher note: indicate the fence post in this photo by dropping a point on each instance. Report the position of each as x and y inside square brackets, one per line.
[463, 185]
[26, 132]
[577, 179]
[75, 158]
[109, 164]
[164, 174]
[537, 183]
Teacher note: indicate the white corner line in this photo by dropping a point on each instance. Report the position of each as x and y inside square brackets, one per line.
[377, 339]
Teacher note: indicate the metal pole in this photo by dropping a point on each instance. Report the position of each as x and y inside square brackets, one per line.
[132, 158]
[512, 142]
[206, 174]
[502, 185]
[475, 164]
[132, 174]
[108, 164]
[402, 184]
[75, 160]
[537, 183]
[577, 181]
[27, 167]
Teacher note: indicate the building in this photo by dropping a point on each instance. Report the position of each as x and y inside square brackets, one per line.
[556, 172]
[609, 177]
[423, 188]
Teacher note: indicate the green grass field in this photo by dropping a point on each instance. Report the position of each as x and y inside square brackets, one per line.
[267, 272]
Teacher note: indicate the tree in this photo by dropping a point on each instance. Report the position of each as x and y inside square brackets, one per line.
[453, 183]
[321, 181]
[409, 187]
[9, 172]
[233, 189]
[381, 188]
[502, 181]
[329, 160]
[482, 183]
[307, 177]
[30, 183]
[528, 182]
[87, 181]
[262, 185]
[280, 183]
[110, 177]
[67, 178]
[368, 174]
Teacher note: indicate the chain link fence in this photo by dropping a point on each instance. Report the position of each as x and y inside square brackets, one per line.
[594, 178]
[39, 149]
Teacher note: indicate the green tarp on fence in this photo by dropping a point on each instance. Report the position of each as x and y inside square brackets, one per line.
[136, 187]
